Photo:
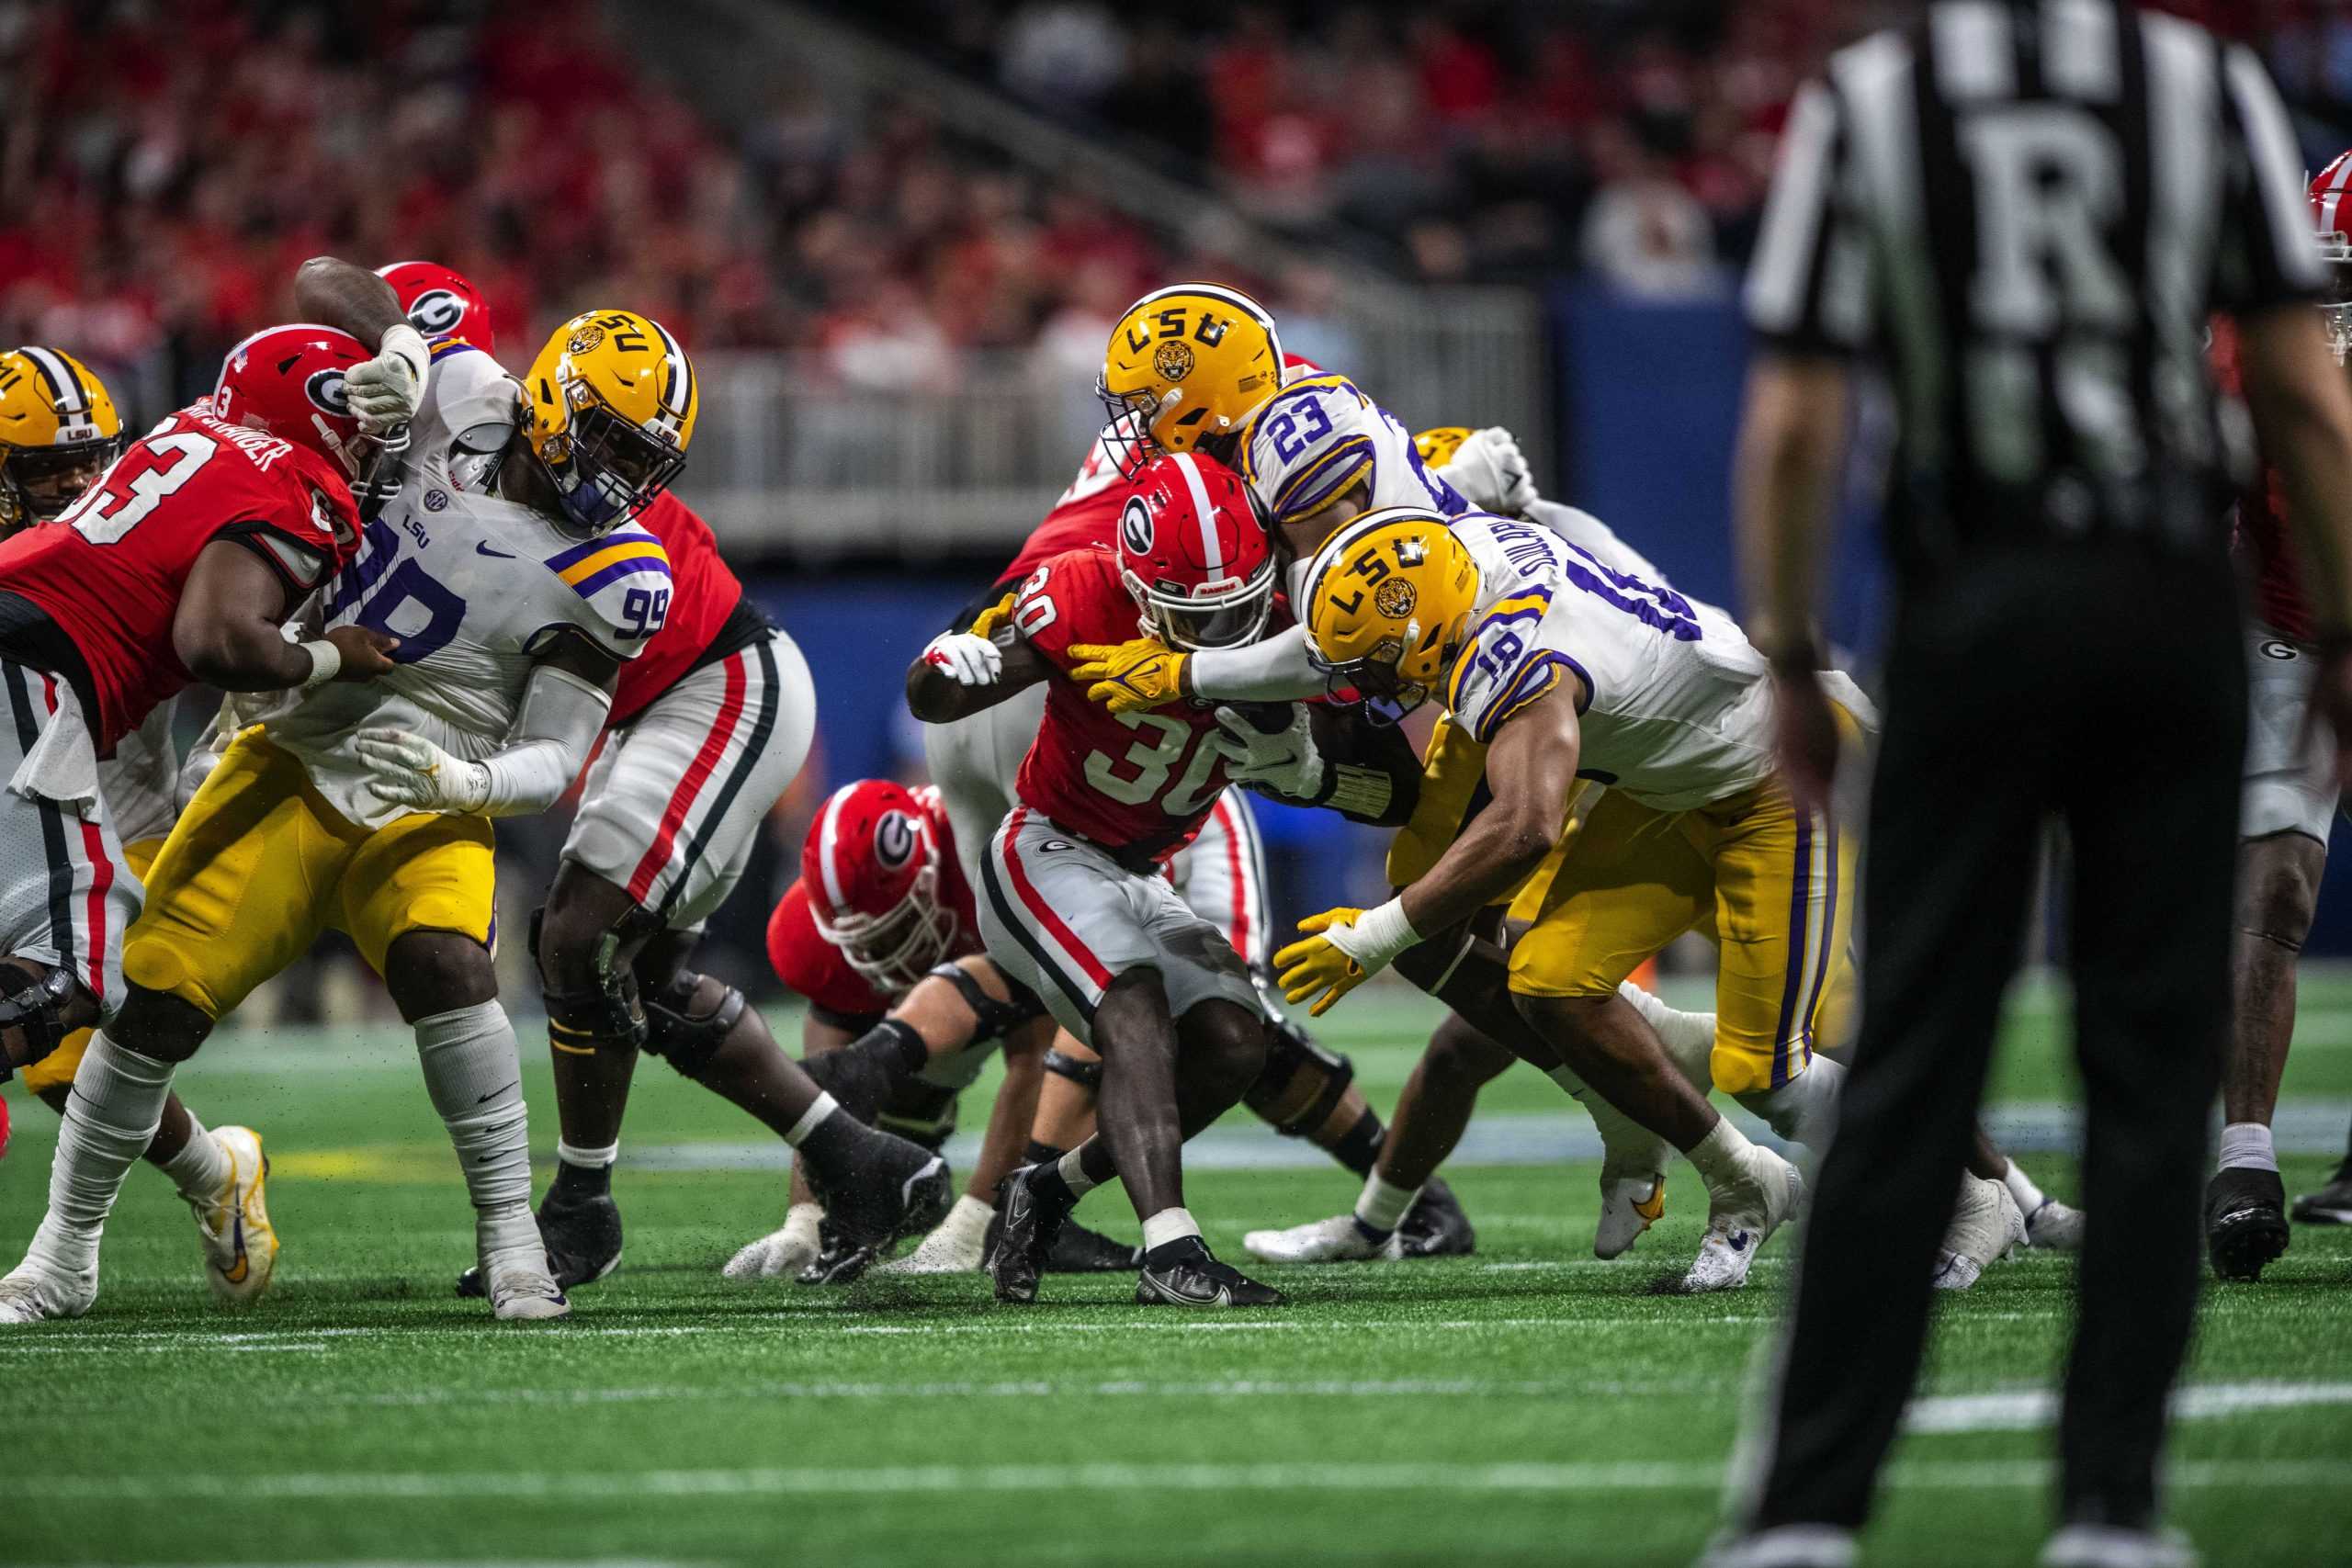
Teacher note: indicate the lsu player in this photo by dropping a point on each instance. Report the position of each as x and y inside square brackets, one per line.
[179, 564]
[709, 724]
[881, 936]
[59, 429]
[1077, 906]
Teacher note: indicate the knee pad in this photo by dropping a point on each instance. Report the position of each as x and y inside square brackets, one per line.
[1302, 1084]
[581, 1021]
[33, 1000]
[685, 1039]
[997, 1019]
[1086, 1075]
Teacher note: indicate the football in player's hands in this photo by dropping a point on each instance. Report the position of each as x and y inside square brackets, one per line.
[367, 652]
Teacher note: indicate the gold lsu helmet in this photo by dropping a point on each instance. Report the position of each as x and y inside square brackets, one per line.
[1386, 603]
[1436, 447]
[1186, 364]
[58, 431]
[613, 402]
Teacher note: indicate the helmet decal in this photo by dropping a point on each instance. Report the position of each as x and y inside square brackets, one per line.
[325, 389]
[1173, 360]
[584, 336]
[435, 311]
[1135, 525]
[1395, 597]
[893, 839]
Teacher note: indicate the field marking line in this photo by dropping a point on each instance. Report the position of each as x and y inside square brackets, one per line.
[2026, 1410]
[902, 1480]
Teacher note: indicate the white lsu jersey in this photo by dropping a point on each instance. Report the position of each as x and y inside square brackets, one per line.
[1309, 443]
[474, 586]
[141, 781]
[1678, 711]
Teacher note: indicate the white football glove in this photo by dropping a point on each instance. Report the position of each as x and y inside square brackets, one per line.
[408, 769]
[1491, 472]
[387, 389]
[969, 661]
[1284, 762]
[782, 1252]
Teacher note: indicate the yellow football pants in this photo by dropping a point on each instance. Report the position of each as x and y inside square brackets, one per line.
[56, 1069]
[1454, 775]
[259, 864]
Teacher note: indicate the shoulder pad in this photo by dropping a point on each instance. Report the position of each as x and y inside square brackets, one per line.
[618, 588]
[469, 399]
[1309, 443]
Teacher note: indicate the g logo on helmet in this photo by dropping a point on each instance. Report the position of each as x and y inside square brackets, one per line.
[325, 389]
[437, 310]
[1135, 527]
[1172, 360]
[1394, 598]
[894, 840]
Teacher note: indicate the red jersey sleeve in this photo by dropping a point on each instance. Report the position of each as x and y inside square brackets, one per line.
[813, 967]
[1075, 597]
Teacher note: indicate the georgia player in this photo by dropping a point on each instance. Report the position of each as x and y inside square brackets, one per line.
[2289, 808]
[881, 938]
[709, 724]
[180, 564]
[1078, 904]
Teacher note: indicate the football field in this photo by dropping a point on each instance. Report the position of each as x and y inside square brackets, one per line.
[1526, 1405]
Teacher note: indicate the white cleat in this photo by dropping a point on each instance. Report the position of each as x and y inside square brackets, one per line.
[956, 1245]
[784, 1252]
[1984, 1226]
[35, 1291]
[1786, 1546]
[240, 1244]
[1336, 1240]
[2055, 1227]
[521, 1288]
[1629, 1205]
[2106, 1545]
[1741, 1219]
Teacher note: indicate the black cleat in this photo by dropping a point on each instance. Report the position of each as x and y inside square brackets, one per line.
[1027, 1231]
[1196, 1279]
[1435, 1225]
[884, 1188]
[2332, 1205]
[2245, 1221]
[1076, 1250]
[839, 1260]
[581, 1231]
[858, 1083]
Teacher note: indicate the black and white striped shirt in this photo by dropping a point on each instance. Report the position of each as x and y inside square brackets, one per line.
[2030, 210]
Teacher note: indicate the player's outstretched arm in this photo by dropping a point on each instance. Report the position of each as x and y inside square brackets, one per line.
[227, 630]
[565, 703]
[961, 673]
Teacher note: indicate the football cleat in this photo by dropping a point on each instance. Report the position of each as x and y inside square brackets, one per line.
[2110, 1546]
[1076, 1250]
[34, 1291]
[1024, 1239]
[581, 1233]
[520, 1288]
[940, 1252]
[1629, 1205]
[2332, 1205]
[1740, 1220]
[240, 1244]
[839, 1259]
[1196, 1279]
[1785, 1546]
[2055, 1227]
[1985, 1223]
[2245, 1221]
[1339, 1239]
[1435, 1225]
[884, 1189]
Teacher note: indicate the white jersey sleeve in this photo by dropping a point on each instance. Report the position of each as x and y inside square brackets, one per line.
[1317, 439]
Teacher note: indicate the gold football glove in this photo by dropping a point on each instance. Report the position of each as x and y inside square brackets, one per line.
[1317, 966]
[993, 619]
[1128, 677]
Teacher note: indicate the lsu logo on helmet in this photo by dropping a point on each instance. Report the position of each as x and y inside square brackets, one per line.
[612, 405]
[1387, 604]
[1186, 363]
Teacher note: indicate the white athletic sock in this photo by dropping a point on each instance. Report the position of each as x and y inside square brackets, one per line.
[1720, 1157]
[473, 1073]
[202, 1168]
[1169, 1225]
[116, 1104]
[1803, 1109]
[2245, 1145]
[1688, 1037]
[1073, 1170]
[1381, 1207]
[2022, 1188]
[1566, 1079]
[587, 1159]
[824, 1105]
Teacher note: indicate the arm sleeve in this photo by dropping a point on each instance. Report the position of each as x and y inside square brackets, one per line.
[1809, 288]
[561, 719]
[2268, 255]
[1274, 670]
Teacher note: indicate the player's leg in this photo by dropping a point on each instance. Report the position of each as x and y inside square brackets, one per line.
[228, 903]
[1065, 1119]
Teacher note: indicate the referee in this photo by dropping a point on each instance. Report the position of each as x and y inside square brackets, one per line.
[2028, 211]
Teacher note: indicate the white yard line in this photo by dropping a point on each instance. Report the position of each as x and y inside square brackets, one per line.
[2026, 1410]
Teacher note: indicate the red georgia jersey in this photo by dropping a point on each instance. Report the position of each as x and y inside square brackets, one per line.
[815, 969]
[704, 590]
[2262, 538]
[1136, 782]
[110, 569]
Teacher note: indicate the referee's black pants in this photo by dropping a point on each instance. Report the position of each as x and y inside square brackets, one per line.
[2104, 689]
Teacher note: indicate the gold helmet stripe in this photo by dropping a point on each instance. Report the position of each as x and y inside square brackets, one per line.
[65, 391]
[677, 399]
[1233, 297]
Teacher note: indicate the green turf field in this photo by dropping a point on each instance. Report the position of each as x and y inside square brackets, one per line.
[1528, 1405]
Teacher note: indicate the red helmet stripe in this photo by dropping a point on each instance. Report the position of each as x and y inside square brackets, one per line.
[1204, 511]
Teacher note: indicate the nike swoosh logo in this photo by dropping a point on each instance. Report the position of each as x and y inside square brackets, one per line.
[493, 1094]
[483, 550]
[235, 1274]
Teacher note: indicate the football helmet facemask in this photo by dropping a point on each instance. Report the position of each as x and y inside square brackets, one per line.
[2331, 216]
[1186, 363]
[611, 407]
[58, 431]
[872, 871]
[1195, 554]
[1387, 604]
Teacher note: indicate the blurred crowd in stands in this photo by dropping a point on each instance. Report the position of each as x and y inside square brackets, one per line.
[167, 162]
